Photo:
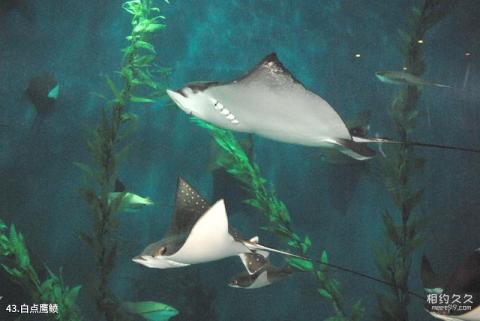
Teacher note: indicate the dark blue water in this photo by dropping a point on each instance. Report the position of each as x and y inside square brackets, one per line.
[338, 207]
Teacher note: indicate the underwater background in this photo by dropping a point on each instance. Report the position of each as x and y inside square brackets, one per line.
[334, 47]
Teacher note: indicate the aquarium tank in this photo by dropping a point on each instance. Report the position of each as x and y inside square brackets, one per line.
[264, 160]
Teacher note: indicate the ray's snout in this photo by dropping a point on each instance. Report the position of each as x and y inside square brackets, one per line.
[176, 95]
[139, 259]
[180, 98]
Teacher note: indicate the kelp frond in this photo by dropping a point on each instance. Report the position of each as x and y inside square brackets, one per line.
[18, 266]
[403, 228]
[108, 146]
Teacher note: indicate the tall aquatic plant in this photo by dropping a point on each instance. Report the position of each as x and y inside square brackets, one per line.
[404, 225]
[108, 144]
[275, 211]
[52, 290]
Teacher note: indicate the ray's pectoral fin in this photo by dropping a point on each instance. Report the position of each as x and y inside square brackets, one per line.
[353, 149]
[190, 206]
[253, 262]
[209, 231]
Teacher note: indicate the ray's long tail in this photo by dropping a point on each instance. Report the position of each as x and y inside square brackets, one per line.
[389, 141]
[256, 246]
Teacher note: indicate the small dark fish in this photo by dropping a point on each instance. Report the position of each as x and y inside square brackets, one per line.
[42, 91]
[130, 202]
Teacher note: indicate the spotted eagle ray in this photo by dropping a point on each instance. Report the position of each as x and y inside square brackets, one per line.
[267, 275]
[200, 233]
[270, 102]
[464, 283]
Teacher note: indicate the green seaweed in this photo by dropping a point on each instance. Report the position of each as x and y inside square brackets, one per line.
[278, 217]
[403, 234]
[108, 144]
[18, 266]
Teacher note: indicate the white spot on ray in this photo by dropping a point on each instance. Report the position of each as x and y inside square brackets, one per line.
[226, 112]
